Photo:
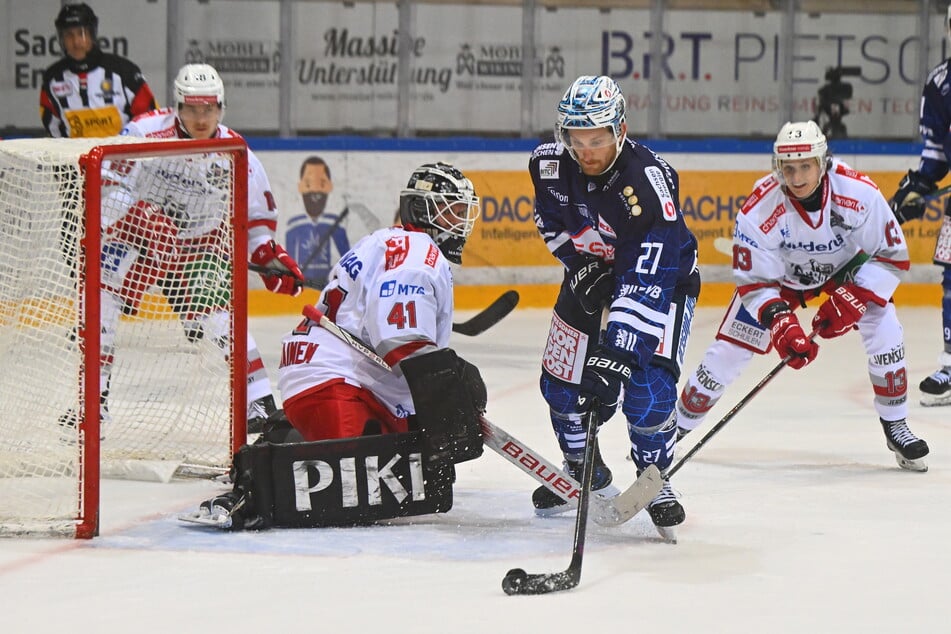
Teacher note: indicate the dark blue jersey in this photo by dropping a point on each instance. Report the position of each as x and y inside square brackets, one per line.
[629, 217]
[935, 121]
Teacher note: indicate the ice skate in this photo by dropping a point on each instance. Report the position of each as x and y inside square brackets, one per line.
[258, 413]
[216, 512]
[548, 504]
[936, 389]
[910, 451]
[666, 513]
[68, 421]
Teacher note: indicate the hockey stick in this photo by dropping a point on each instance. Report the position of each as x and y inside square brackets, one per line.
[608, 511]
[733, 412]
[516, 580]
[492, 314]
[325, 238]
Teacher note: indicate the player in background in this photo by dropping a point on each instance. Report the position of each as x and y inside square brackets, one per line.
[197, 114]
[608, 209]
[909, 203]
[813, 226]
[89, 93]
[393, 290]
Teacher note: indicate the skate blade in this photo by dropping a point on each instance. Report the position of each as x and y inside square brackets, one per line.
[667, 533]
[931, 400]
[919, 465]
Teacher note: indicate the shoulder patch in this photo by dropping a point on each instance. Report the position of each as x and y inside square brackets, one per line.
[655, 176]
[548, 169]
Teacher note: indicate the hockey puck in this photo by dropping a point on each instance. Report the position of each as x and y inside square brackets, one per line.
[513, 580]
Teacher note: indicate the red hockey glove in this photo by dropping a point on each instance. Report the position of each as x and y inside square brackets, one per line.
[839, 314]
[147, 228]
[790, 340]
[273, 255]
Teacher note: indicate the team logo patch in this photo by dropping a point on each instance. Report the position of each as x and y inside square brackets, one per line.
[548, 170]
[396, 251]
[431, 256]
[655, 176]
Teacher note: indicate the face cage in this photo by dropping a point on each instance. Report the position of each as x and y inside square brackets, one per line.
[443, 207]
[561, 134]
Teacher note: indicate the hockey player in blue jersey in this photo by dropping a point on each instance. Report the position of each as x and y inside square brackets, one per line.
[910, 200]
[608, 209]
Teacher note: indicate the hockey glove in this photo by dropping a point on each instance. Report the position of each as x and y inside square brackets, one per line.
[788, 337]
[605, 373]
[592, 282]
[146, 228]
[909, 201]
[273, 255]
[840, 313]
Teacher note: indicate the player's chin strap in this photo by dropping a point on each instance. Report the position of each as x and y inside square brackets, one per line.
[605, 511]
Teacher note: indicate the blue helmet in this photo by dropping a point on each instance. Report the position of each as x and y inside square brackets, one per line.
[591, 102]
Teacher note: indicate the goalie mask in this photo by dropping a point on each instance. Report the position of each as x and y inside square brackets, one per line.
[592, 102]
[198, 84]
[797, 141]
[441, 201]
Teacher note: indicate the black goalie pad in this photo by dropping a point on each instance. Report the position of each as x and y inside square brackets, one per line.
[347, 482]
[449, 395]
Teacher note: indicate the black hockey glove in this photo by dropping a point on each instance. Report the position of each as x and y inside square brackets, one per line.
[605, 373]
[592, 282]
[475, 386]
[909, 201]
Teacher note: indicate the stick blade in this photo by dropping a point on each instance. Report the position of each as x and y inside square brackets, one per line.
[621, 508]
[493, 314]
[517, 581]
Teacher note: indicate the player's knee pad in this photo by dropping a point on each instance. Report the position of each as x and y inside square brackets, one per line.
[449, 396]
[651, 423]
[881, 330]
[339, 482]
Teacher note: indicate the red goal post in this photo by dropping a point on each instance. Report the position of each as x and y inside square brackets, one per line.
[123, 319]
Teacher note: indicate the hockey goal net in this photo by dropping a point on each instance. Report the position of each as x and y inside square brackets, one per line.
[123, 284]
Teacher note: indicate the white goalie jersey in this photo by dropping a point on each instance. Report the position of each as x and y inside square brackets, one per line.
[393, 290]
[775, 239]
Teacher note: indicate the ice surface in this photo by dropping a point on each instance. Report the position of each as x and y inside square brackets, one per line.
[798, 520]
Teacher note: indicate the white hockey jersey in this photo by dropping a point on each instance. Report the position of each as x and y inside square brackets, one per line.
[777, 242]
[183, 179]
[393, 290]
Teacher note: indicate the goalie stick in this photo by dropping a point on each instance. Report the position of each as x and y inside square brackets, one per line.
[607, 511]
[516, 580]
[492, 314]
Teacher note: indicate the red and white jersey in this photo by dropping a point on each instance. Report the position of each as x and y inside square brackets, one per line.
[777, 242]
[181, 179]
[393, 290]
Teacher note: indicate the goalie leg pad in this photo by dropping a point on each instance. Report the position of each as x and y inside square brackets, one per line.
[449, 395]
[347, 482]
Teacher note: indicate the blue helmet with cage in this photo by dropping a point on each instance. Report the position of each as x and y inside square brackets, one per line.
[591, 102]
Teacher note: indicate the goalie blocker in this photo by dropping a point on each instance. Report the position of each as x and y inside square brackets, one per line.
[355, 481]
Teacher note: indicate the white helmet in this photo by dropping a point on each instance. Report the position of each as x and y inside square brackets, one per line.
[199, 83]
[800, 140]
